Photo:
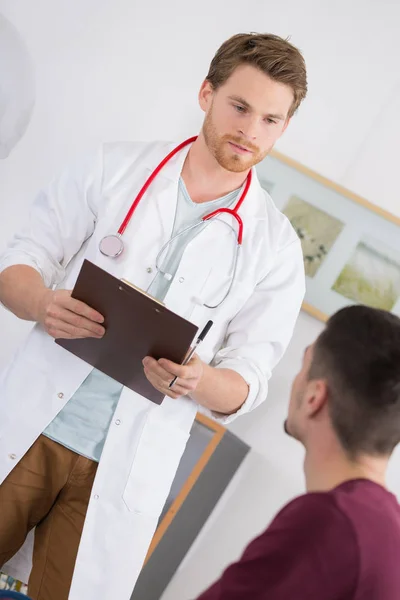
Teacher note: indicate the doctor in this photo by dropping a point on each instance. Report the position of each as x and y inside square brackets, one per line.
[84, 461]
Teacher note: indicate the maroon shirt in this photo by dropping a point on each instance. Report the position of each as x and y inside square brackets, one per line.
[337, 545]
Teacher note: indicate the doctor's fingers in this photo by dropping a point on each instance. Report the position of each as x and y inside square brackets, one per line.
[160, 379]
[63, 298]
[176, 391]
[163, 386]
[189, 371]
[182, 388]
[59, 328]
[166, 370]
[59, 334]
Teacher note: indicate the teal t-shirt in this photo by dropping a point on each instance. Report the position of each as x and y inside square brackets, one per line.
[83, 423]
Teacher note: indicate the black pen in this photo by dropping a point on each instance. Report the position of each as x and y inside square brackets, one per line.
[193, 350]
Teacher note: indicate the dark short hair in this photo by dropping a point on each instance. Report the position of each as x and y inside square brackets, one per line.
[273, 55]
[358, 354]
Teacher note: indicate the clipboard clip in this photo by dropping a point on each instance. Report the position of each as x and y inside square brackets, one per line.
[138, 289]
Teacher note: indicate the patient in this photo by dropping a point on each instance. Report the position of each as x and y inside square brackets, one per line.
[341, 540]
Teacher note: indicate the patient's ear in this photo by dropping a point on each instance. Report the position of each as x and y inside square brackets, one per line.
[315, 397]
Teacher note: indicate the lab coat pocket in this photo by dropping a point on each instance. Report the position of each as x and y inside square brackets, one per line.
[156, 461]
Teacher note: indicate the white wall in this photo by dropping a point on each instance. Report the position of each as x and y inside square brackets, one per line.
[116, 69]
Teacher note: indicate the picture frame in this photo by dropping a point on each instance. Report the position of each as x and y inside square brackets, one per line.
[351, 247]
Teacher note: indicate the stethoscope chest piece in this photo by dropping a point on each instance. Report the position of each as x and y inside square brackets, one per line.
[111, 245]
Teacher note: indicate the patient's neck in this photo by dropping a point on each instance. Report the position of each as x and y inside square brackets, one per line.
[328, 466]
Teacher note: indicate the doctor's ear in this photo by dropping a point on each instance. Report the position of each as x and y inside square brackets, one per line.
[206, 95]
[286, 124]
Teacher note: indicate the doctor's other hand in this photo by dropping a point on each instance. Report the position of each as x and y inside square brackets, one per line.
[64, 317]
[161, 372]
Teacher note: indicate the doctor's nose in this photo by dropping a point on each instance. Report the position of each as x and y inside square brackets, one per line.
[249, 131]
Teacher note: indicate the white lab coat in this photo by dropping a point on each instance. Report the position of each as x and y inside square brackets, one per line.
[145, 442]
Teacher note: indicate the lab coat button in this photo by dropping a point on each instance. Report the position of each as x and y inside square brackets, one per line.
[149, 270]
[96, 496]
[60, 395]
[181, 279]
[118, 422]
[12, 456]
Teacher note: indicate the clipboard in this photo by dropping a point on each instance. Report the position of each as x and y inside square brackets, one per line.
[136, 324]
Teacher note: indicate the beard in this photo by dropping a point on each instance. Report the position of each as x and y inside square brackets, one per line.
[219, 148]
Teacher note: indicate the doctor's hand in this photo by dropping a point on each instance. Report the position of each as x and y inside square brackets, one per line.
[161, 372]
[65, 317]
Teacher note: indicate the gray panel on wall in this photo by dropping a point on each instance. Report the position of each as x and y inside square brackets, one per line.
[189, 520]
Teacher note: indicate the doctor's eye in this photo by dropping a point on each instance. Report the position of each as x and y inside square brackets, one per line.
[239, 108]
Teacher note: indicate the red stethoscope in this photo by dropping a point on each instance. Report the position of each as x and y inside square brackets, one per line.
[112, 245]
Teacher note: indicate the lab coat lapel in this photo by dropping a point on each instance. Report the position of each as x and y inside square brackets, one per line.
[152, 224]
[165, 193]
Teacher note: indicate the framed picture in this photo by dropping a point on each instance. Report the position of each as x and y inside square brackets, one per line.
[351, 247]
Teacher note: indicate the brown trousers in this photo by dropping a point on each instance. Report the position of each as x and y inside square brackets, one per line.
[48, 489]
